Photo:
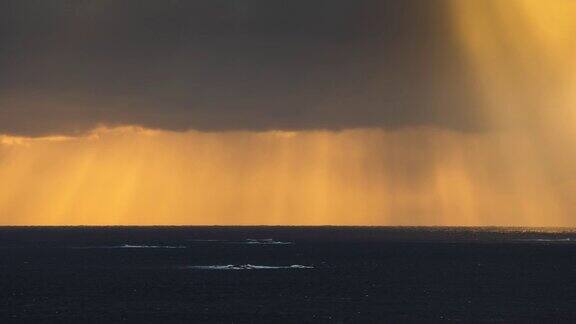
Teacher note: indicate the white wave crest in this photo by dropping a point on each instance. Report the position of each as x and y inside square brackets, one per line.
[131, 246]
[265, 242]
[548, 240]
[248, 267]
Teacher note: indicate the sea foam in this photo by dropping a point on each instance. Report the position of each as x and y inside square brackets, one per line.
[247, 267]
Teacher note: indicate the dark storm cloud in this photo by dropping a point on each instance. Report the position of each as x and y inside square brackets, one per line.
[67, 65]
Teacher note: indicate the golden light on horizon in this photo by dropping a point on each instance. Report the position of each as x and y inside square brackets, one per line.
[358, 177]
[520, 171]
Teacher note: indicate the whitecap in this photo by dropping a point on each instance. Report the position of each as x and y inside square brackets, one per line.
[204, 240]
[131, 246]
[247, 267]
[265, 242]
[548, 240]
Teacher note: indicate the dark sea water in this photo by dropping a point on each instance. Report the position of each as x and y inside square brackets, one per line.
[287, 274]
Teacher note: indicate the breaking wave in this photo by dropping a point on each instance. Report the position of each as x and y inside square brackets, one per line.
[548, 240]
[204, 240]
[132, 246]
[248, 267]
[265, 242]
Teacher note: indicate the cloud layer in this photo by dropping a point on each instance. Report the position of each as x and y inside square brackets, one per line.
[68, 66]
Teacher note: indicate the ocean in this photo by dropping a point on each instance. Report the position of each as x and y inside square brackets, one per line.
[287, 274]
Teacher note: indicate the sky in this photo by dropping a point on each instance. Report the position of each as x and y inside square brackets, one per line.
[276, 112]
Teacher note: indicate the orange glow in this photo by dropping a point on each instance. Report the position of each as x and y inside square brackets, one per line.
[523, 53]
[520, 172]
[370, 177]
[523, 57]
